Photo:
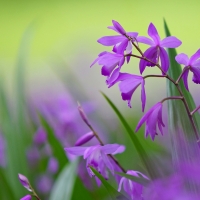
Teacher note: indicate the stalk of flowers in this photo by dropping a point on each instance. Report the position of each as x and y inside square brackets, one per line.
[156, 55]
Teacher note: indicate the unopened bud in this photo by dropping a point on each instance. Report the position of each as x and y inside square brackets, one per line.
[24, 181]
[84, 139]
[82, 114]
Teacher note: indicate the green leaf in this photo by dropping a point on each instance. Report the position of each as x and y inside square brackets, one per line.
[57, 149]
[149, 165]
[180, 128]
[114, 194]
[63, 187]
[141, 180]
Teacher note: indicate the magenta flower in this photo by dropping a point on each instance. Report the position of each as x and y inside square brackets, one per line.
[192, 64]
[27, 197]
[128, 85]
[121, 42]
[97, 157]
[53, 165]
[152, 118]
[133, 189]
[109, 61]
[24, 181]
[157, 51]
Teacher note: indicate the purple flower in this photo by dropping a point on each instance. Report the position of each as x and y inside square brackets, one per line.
[53, 165]
[121, 42]
[157, 51]
[128, 85]
[40, 136]
[97, 157]
[44, 184]
[133, 189]
[27, 197]
[192, 64]
[24, 181]
[109, 61]
[84, 139]
[153, 118]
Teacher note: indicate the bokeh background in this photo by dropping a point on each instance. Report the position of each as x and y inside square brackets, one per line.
[62, 45]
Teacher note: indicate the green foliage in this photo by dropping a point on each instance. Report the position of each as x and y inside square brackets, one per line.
[63, 187]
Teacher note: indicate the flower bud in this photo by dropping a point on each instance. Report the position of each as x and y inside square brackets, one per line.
[24, 181]
[83, 115]
[27, 197]
[84, 139]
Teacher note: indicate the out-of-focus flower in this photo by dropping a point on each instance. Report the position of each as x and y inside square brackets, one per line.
[40, 136]
[109, 62]
[24, 181]
[128, 85]
[33, 156]
[27, 197]
[157, 50]
[44, 184]
[97, 157]
[120, 42]
[152, 118]
[192, 64]
[2, 151]
[133, 189]
[53, 165]
[84, 139]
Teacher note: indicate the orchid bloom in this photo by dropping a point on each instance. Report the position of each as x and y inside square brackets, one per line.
[97, 157]
[192, 64]
[128, 84]
[152, 118]
[121, 42]
[157, 51]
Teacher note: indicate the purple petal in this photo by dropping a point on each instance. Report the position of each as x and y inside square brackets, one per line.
[53, 165]
[107, 70]
[90, 150]
[143, 95]
[101, 54]
[111, 40]
[145, 40]
[152, 32]
[129, 50]
[194, 57]
[145, 117]
[182, 59]
[121, 48]
[84, 139]
[113, 78]
[24, 181]
[78, 151]
[151, 54]
[111, 148]
[120, 184]
[132, 34]
[40, 136]
[110, 59]
[164, 59]
[196, 74]
[170, 42]
[185, 79]
[27, 197]
[107, 162]
[118, 27]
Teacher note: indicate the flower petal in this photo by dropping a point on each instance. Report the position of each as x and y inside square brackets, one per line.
[120, 184]
[112, 148]
[107, 70]
[152, 32]
[118, 27]
[78, 151]
[111, 40]
[121, 48]
[196, 74]
[145, 40]
[194, 57]
[143, 95]
[182, 59]
[170, 42]
[164, 59]
[185, 77]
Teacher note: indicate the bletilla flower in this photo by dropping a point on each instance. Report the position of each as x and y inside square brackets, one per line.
[84, 139]
[192, 64]
[128, 84]
[120, 42]
[152, 118]
[27, 197]
[24, 181]
[133, 189]
[157, 51]
[96, 157]
[109, 62]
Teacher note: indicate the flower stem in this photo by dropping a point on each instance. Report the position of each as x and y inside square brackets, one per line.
[184, 70]
[195, 110]
[171, 98]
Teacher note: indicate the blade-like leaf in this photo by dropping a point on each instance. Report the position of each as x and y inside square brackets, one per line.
[141, 180]
[63, 187]
[57, 149]
[180, 128]
[149, 165]
[114, 194]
